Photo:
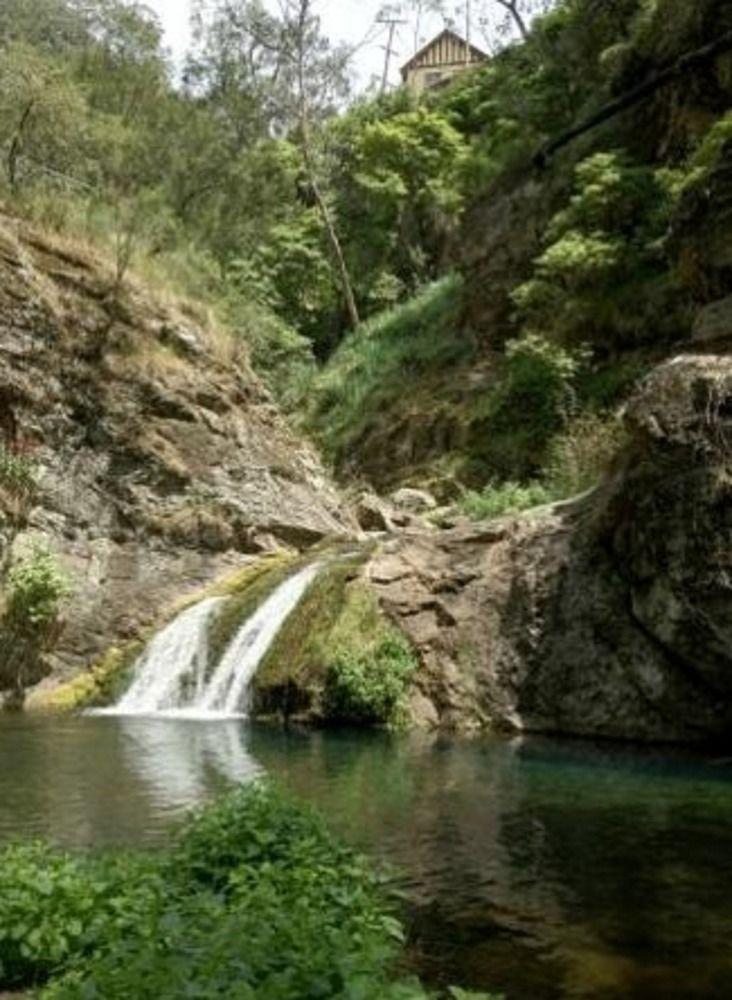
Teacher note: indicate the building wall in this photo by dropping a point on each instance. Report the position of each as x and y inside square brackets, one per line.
[425, 77]
[439, 62]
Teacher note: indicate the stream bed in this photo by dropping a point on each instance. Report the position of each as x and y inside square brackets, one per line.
[537, 868]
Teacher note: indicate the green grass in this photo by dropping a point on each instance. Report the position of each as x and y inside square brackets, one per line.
[385, 357]
[577, 459]
[503, 499]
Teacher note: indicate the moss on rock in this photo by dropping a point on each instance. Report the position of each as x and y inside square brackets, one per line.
[337, 658]
[102, 685]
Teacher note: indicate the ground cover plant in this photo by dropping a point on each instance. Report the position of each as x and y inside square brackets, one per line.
[255, 899]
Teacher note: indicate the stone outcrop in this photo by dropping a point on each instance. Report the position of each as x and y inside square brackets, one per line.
[162, 458]
[607, 616]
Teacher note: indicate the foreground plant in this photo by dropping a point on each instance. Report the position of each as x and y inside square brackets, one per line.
[256, 899]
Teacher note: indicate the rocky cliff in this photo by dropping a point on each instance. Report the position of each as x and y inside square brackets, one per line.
[610, 615]
[161, 459]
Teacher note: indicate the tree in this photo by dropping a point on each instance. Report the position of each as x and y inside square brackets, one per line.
[42, 113]
[404, 178]
[304, 50]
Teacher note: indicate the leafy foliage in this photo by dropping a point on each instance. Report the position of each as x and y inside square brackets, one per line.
[35, 589]
[255, 900]
[398, 195]
[533, 398]
[604, 268]
[368, 686]
[56, 909]
[17, 473]
[505, 498]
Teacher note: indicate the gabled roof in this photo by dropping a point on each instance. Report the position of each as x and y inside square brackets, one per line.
[421, 58]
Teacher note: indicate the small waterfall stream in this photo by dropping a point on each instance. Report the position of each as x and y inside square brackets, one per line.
[226, 691]
[171, 673]
[174, 677]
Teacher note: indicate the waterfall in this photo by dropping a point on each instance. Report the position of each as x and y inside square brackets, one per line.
[227, 688]
[173, 675]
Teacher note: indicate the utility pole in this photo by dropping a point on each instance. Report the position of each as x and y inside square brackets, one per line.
[468, 27]
[393, 23]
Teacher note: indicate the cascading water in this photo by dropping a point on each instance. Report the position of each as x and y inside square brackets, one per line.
[173, 675]
[227, 688]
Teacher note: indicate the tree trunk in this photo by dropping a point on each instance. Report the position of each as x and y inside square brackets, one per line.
[15, 147]
[310, 169]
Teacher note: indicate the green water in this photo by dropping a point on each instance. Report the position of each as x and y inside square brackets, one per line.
[537, 868]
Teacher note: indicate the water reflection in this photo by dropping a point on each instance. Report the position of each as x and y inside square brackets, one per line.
[181, 762]
[97, 781]
[540, 869]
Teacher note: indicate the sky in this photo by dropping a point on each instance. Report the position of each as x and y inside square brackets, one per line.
[343, 20]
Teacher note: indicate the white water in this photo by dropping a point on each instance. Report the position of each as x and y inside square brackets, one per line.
[171, 673]
[227, 689]
[172, 677]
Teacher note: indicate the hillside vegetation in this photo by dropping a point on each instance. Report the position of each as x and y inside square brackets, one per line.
[509, 302]
[577, 272]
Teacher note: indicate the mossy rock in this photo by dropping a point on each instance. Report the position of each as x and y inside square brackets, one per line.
[103, 685]
[106, 682]
[337, 659]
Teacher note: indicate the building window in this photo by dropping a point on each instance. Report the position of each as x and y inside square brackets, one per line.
[432, 79]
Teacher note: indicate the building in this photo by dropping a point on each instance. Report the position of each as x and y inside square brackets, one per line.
[439, 61]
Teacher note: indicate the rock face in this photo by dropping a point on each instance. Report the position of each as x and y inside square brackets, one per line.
[607, 616]
[162, 457]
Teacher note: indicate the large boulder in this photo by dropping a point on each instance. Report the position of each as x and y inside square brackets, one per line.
[608, 616]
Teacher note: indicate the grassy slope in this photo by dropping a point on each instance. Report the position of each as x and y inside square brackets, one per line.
[396, 394]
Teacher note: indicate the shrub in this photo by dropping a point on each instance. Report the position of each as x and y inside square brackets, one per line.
[580, 455]
[17, 474]
[505, 498]
[256, 901]
[540, 377]
[603, 276]
[368, 686]
[36, 587]
[534, 398]
[577, 458]
[55, 909]
[253, 827]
